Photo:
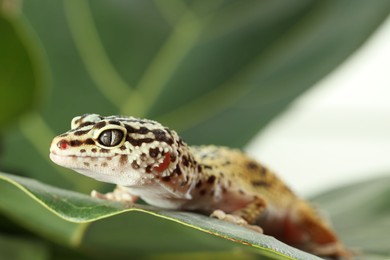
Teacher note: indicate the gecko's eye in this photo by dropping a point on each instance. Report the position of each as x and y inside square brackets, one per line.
[111, 137]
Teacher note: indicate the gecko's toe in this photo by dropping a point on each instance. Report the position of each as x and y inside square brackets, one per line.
[221, 215]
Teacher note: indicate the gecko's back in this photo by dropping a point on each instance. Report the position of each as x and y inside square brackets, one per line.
[285, 216]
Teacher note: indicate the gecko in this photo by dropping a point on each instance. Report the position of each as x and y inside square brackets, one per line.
[149, 161]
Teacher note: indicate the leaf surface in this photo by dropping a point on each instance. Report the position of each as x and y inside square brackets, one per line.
[215, 71]
[361, 213]
[138, 231]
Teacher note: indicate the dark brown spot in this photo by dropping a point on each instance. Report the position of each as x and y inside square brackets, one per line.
[143, 157]
[123, 159]
[103, 150]
[82, 151]
[77, 121]
[112, 122]
[81, 132]
[212, 193]
[89, 141]
[122, 147]
[94, 150]
[178, 170]
[100, 125]
[75, 143]
[138, 142]
[184, 159]
[130, 129]
[202, 192]
[224, 190]
[211, 179]
[86, 164]
[85, 124]
[207, 167]
[166, 178]
[252, 166]
[143, 130]
[148, 169]
[261, 183]
[161, 136]
[198, 184]
[199, 168]
[135, 165]
[173, 157]
[153, 152]
[104, 164]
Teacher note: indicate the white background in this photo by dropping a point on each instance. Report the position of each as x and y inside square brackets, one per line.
[339, 131]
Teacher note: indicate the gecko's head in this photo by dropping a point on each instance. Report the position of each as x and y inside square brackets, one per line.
[121, 150]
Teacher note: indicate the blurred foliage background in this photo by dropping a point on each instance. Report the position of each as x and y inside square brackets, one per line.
[215, 71]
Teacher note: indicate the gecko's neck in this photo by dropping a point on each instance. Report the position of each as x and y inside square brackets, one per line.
[173, 189]
[185, 175]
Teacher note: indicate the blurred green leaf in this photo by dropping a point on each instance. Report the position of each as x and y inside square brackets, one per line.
[21, 69]
[22, 249]
[361, 213]
[215, 71]
[129, 236]
[197, 66]
[32, 216]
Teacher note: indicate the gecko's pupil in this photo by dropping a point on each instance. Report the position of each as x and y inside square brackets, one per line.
[111, 137]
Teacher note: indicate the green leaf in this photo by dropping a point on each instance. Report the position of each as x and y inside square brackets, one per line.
[196, 66]
[138, 232]
[22, 249]
[21, 69]
[32, 216]
[361, 213]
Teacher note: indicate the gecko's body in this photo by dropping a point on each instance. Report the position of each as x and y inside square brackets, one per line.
[149, 161]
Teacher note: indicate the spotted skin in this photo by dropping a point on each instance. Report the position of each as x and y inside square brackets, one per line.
[149, 161]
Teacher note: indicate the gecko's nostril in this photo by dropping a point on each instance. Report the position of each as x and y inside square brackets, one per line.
[62, 144]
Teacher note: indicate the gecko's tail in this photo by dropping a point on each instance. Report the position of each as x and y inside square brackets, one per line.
[305, 228]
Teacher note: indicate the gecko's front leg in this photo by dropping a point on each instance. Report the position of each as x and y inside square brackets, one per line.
[120, 194]
[245, 216]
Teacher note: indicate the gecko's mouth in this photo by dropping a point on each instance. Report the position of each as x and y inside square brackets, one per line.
[67, 160]
[53, 153]
[95, 167]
